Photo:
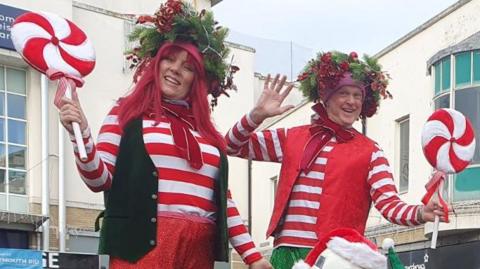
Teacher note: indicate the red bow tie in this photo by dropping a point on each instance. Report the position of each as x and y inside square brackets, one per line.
[322, 130]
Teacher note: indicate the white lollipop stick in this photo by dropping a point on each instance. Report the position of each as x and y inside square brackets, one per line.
[436, 224]
[76, 129]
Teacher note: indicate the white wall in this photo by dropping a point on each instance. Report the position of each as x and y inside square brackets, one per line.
[228, 111]
[61, 7]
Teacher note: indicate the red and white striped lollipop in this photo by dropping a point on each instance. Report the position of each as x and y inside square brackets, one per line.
[48, 41]
[58, 48]
[448, 140]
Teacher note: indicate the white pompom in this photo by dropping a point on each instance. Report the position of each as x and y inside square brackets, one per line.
[301, 265]
[388, 243]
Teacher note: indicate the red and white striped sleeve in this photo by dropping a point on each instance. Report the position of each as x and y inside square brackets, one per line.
[266, 145]
[238, 234]
[99, 167]
[384, 193]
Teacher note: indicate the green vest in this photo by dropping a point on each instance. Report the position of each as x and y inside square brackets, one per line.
[129, 228]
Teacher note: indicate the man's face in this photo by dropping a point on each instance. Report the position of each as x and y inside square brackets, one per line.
[345, 105]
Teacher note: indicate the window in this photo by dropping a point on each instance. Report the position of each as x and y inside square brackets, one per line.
[13, 147]
[464, 96]
[404, 138]
[442, 83]
[442, 75]
[274, 181]
[463, 69]
[13, 239]
[82, 241]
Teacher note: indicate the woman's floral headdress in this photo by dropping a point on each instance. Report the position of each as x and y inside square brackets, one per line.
[177, 21]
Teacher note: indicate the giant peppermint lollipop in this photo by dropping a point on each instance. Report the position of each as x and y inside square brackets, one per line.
[448, 142]
[57, 48]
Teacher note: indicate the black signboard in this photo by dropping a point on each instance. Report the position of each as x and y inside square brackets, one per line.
[461, 256]
[7, 16]
[62, 260]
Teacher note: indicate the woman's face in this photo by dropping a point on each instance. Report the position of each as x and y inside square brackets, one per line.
[176, 75]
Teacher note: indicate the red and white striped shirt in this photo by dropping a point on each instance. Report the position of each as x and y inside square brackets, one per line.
[297, 227]
[181, 189]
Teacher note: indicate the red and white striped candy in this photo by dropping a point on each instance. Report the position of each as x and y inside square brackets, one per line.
[48, 41]
[448, 140]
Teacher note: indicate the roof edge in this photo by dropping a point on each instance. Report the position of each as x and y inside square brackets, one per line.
[422, 27]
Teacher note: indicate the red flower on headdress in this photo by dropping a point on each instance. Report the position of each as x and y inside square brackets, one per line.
[345, 66]
[144, 19]
[327, 57]
[303, 76]
[166, 14]
[353, 55]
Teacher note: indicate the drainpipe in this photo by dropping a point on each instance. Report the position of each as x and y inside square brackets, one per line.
[61, 189]
[45, 153]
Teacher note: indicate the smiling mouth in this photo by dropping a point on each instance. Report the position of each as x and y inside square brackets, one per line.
[172, 80]
[349, 110]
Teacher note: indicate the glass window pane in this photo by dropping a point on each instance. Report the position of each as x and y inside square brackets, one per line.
[404, 149]
[467, 185]
[3, 202]
[2, 78]
[446, 74]
[467, 101]
[2, 130]
[18, 204]
[2, 180]
[16, 181]
[476, 66]
[16, 106]
[16, 157]
[3, 162]
[16, 132]
[437, 78]
[463, 69]
[2, 104]
[16, 81]
[442, 102]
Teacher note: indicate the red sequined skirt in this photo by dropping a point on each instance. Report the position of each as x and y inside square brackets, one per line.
[183, 242]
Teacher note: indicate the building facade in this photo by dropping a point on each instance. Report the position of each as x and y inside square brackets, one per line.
[40, 189]
[436, 65]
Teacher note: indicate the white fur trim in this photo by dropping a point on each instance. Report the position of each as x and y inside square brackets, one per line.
[359, 254]
[303, 265]
[387, 244]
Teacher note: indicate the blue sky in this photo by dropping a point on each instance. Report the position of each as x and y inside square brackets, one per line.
[287, 33]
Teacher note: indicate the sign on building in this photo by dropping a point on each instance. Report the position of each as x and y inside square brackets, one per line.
[20, 259]
[7, 16]
[33, 259]
[460, 256]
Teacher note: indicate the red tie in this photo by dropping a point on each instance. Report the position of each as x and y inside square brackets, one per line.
[181, 122]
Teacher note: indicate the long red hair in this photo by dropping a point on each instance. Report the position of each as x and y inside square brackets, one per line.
[146, 96]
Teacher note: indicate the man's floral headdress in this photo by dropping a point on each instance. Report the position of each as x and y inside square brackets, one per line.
[177, 21]
[321, 76]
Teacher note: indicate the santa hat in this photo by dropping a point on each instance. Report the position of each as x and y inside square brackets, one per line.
[388, 245]
[348, 244]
